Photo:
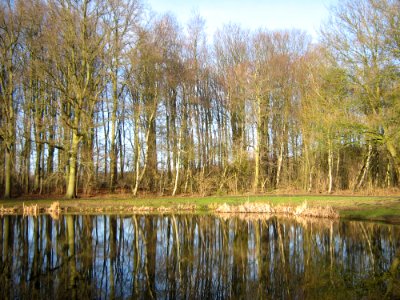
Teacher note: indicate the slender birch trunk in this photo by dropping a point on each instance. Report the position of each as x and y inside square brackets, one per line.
[280, 158]
[330, 166]
[140, 173]
[113, 150]
[257, 149]
[365, 168]
[178, 162]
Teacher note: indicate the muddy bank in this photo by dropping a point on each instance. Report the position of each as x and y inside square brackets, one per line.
[55, 209]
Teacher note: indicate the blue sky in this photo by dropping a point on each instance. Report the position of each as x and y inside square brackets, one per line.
[251, 14]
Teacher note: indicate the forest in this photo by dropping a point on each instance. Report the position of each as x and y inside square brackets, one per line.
[104, 96]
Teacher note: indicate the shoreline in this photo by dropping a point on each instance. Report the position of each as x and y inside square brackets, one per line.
[368, 208]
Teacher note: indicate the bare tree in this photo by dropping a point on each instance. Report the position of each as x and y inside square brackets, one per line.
[11, 15]
[75, 67]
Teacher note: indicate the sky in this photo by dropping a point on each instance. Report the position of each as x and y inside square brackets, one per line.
[307, 15]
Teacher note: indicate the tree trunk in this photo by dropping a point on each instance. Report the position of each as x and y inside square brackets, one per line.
[140, 173]
[365, 168]
[38, 168]
[168, 144]
[330, 166]
[113, 150]
[257, 150]
[88, 157]
[152, 154]
[178, 163]
[106, 134]
[280, 158]
[121, 150]
[7, 183]
[27, 155]
[137, 170]
[136, 154]
[310, 181]
[393, 153]
[71, 180]
[338, 182]
[10, 136]
[53, 121]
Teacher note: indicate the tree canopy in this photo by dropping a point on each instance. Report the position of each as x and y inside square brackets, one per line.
[100, 95]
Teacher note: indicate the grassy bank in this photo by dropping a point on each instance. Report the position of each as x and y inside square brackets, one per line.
[380, 208]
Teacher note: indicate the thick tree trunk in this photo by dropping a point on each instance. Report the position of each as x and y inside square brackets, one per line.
[71, 180]
[393, 153]
[152, 172]
[50, 159]
[38, 167]
[88, 157]
[10, 135]
[7, 179]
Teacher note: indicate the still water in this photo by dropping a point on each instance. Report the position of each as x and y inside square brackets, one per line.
[196, 257]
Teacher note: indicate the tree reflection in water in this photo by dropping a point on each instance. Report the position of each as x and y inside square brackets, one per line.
[196, 256]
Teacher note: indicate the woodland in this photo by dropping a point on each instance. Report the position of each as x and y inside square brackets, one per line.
[104, 96]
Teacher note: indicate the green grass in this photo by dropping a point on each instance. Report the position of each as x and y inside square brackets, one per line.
[381, 208]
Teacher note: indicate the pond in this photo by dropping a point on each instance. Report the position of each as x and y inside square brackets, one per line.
[196, 257]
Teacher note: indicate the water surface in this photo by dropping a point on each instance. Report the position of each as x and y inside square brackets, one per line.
[196, 257]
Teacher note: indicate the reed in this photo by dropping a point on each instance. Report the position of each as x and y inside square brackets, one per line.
[30, 210]
[7, 210]
[54, 207]
[302, 210]
[54, 210]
